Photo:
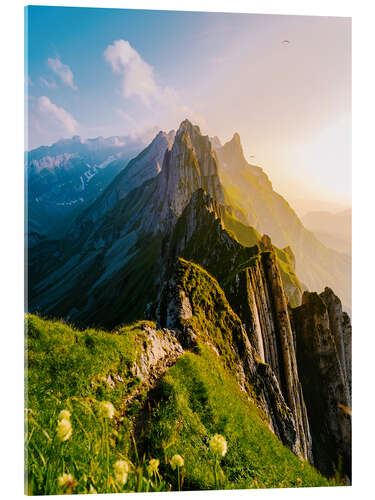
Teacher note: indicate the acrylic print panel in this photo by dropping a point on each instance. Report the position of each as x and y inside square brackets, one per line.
[188, 251]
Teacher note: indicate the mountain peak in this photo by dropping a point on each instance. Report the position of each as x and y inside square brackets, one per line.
[187, 126]
[232, 153]
[188, 166]
[162, 136]
[236, 138]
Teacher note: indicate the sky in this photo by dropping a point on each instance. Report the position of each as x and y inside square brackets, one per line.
[102, 72]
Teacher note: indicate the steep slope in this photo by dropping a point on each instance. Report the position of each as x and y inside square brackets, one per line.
[63, 178]
[143, 167]
[250, 188]
[174, 250]
[78, 371]
[323, 340]
[208, 234]
[194, 305]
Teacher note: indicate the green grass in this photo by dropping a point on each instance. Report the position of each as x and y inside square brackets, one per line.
[77, 370]
[246, 235]
[74, 370]
[198, 398]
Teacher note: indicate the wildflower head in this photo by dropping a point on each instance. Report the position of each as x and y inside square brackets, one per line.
[121, 469]
[106, 409]
[66, 481]
[218, 445]
[64, 414]
[92, 490]
[153, 466]
[176, 461]
[64, 430]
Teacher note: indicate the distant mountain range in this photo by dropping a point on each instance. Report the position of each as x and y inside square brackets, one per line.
[333, 229]
[62, 179]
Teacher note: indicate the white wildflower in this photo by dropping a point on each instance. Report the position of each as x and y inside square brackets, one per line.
[218, 444]
[176, 461]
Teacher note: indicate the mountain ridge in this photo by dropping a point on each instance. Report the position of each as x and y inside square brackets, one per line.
[173, 251]
[266, 210]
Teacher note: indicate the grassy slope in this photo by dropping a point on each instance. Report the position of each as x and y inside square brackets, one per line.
[68, 368]
[198, 398]
[248, 236]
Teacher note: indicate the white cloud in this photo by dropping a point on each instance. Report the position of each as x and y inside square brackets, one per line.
[50, 84]
[58, 116]
[62, 71]
[138, 81]
[137, 75]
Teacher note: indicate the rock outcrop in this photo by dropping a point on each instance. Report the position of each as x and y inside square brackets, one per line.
[323, 339]
[158, 353]
[194, 305]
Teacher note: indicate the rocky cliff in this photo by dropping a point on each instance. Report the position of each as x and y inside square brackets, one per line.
[196, 308]
[323, 340]
[190, 165]
[251, 281]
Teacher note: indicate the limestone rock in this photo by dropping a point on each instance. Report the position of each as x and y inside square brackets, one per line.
[192, 301]
[323, 353]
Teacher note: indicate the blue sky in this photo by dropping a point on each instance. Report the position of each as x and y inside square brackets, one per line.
[116, 72]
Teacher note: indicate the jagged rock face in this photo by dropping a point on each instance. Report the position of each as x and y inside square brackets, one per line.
[339, 323]
[252, 283]
[125, 263]
[231, 154]
[111, 247]
[190, 165]
[161, 351]
[289, 379]
[323, 353]
[193, 304]
[257, 295]
[199, 235]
